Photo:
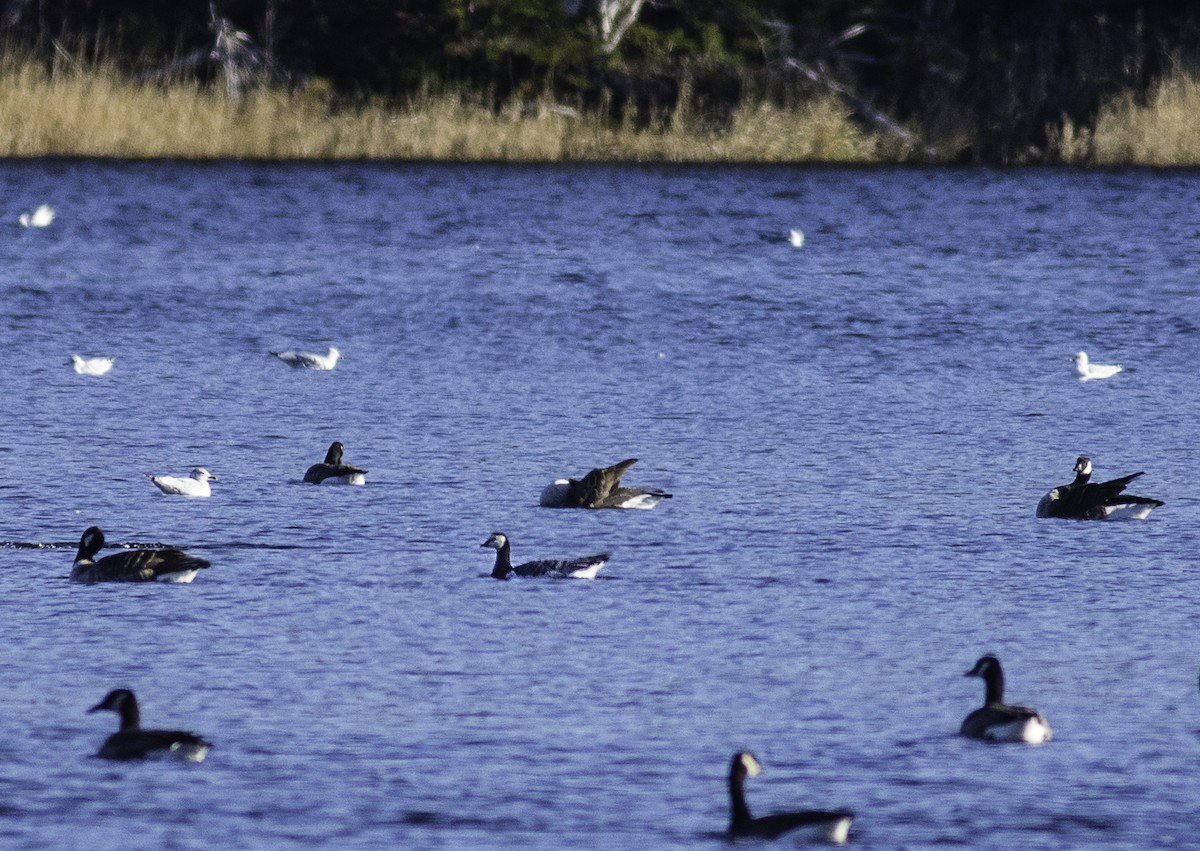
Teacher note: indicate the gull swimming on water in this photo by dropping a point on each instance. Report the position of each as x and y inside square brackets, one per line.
[91, 366]
[39, 218]
[796, 238]
[309, 360]
[1088, 371]
[194, 485]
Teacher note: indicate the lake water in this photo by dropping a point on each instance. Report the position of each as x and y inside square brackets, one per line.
[856, 433]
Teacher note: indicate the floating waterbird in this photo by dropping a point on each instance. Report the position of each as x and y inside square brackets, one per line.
[39, 218]
[996, 721]
[195, 484]
[333, 471]
[164, 565]
[823, 825]
[576, 568]
[600, 488]
[309, 360]
[1083, 500]
[1087, 371]
[91, 366]
[132, 742]
[796, 238]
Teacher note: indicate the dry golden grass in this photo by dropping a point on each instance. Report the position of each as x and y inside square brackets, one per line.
[95, 112]
[1162, 131]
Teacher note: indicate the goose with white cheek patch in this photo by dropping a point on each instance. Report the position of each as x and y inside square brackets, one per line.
[600, 488]
[162, 565]
[332, 471]
[575, 568]
[1088, 370]
[1086, 500]
[195, 484]
[996, 721]
[814, 825]
[132, 742]
[310, 360]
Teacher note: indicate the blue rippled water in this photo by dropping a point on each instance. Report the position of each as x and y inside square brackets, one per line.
[856, 434]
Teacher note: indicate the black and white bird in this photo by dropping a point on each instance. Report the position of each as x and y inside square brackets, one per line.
[132, 742]
[310, 360]
[196, 484]
[1085, 500]
[576, 568]
[332, 471]
[822, 825]
[996, 721]
[600, 488]
[164, 565]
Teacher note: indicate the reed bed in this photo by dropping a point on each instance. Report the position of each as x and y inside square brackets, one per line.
[71, 110]
[78, 110]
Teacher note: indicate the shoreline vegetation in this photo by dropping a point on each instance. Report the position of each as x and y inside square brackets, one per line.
[75, 109]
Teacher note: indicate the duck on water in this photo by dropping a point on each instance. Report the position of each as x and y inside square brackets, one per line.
[132, 742]
[575, 568]
[1085, 500]
[169, 564]
[600, 488]
[996, 721]
[821, 825]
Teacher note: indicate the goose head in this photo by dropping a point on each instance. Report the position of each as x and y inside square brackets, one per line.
[1083, 465]
[496, 541]
[90, 544]
[334, 456]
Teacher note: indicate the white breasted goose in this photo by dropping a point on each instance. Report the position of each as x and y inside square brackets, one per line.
[824, 825]
[600, 488]
[1088, 370]
[310, 360]
[132, 742]
[996, 721]
[91, 366]
[1086, 500]
[195, 484]
[165, 565]
[576, 568]
[332, 471]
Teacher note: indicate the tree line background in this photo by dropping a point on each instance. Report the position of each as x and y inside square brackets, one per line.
[987, 78]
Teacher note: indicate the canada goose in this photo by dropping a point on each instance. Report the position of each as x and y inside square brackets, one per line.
[828, 825]
[577, 568]
[996, 721]
[1084, 500]
[600, 488]
[165, 565]
[333, 471]
[132, 742]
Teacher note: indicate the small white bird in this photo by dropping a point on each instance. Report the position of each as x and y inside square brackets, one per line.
[194, 485]
[1088, 371]
[91, 366]
[39, 218]
[308, 360]
[796, 238]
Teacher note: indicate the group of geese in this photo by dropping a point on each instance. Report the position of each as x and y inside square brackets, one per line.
[600, 488]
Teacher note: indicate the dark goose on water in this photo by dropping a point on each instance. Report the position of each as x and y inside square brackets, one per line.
[576, 568]
[162, 565]
[132, 742]
[996, 721]
[827, 825]
[600, 488]
[333, 471]
[1084, 500]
